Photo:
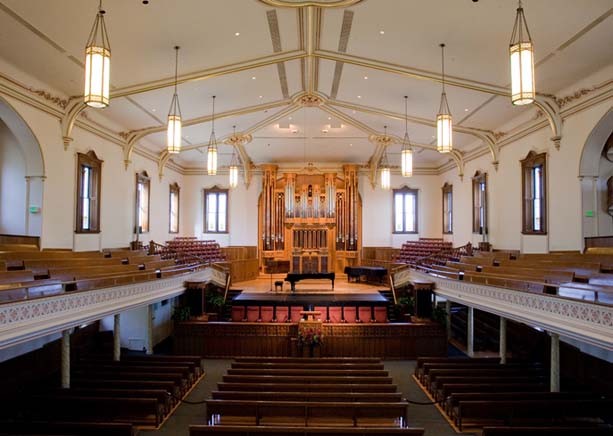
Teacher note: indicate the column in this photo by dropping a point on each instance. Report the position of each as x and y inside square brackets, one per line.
[470, 333]
[555, 363]
[448, 318]
[66, 359]
[116, 339]
[503, 340]
[150, 329]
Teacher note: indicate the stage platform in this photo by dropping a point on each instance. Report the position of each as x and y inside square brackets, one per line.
[264, 284]
[325, 298]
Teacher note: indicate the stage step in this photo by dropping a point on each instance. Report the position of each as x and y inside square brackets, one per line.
[392, 316]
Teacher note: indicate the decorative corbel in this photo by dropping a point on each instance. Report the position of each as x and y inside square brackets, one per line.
[551, 109]
[74, 108]
[238, 141]
[164, 157]
[459, 160]
[381, 141]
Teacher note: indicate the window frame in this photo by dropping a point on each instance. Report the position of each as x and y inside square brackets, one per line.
[174, 188]
[479, 227]
[528, 165]
[142, 178]
[447, 191]
[92, 161]
[217, 191]
[405, 190]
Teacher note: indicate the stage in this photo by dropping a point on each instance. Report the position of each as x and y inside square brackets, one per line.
[264, 284]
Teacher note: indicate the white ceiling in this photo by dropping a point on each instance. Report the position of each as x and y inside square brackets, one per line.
[46, 40]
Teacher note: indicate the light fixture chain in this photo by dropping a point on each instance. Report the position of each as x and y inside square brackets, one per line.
[176, 66]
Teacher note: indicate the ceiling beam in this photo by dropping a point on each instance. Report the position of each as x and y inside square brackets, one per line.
[134, 136]
[484, 135]
[209, 73]
[411, 72]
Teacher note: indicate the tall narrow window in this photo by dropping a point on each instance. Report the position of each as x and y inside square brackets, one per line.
[215, 210]
[480, 203]
[143, 185]
[89, 169]
[447, 209]
[534, 205]
[173, 208]
[405, 210]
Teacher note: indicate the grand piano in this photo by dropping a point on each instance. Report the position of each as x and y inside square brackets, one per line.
[372, 273]
[292, 278]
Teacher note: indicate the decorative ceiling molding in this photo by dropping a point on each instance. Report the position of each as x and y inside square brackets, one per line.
[314, 3]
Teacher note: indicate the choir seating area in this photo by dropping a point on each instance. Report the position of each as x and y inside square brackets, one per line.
[323, 396]
[481, 392]
[33, 274]
[329, 314]
[411, 251]
[106, 397]
[584, 276]
[184, 249]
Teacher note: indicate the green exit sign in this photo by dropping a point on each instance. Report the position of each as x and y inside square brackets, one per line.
[589, 213]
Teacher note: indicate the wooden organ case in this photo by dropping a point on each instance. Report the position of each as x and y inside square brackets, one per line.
[311, 219]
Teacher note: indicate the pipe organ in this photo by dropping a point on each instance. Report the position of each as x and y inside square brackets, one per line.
[312, 220]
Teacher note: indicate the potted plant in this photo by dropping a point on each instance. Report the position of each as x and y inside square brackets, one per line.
[310, 337]
[214, 304]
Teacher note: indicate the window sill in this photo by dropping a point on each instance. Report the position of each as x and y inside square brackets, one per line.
[534, 233]
[405, 233]
[87, 232]
[215, 233]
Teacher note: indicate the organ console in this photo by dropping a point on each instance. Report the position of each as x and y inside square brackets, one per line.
[311, 219]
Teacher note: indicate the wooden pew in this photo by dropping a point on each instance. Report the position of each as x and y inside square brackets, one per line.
[536, 411]
[119, 368]
[306, 387]
[502, 372]
[438, 387]
[161, 395]
[421, 361]
[16, 276]
[427, 367]
[303, 360]
[308, 414]
[364, 397]
[263, 365]
[453, 388]
[83, 381]
[299, 372]
[139, 411]
[121, 374]
[317, 379]
[194, 368]
[41, 266]
[547, 431]
[197, 361]
[228, 430]
[66, 428]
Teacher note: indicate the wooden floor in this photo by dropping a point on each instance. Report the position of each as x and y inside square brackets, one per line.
[262, 284]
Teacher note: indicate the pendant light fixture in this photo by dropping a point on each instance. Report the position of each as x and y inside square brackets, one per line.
[385, 168]
[406, 155]
[97, 63]
[521, 52]
[234, 166]
[173, 137]
[211, 155]
[444, 123]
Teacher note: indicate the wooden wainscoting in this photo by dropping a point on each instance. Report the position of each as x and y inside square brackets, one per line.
[387, 341]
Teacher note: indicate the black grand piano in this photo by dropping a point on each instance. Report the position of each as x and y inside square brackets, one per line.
[292, 278]
[372, 273]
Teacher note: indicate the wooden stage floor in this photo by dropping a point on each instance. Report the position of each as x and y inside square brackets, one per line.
[341, 286]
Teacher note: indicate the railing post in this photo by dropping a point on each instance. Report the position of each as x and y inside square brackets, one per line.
[150, 313]
[116, 338]
[503, 340]
[448, 318]
[470, 333]
[554, 375]
[65, 359]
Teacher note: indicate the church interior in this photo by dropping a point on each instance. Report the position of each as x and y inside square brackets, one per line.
[306, 217]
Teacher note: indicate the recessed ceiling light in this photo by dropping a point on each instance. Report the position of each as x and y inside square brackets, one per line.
[324, 131]
[432, 136]
[153, 110]
[252, 77]
[353, 112]
[350, 145]
[359, 96]
[289, 118]
[295, 131]
[329, 118]
[381, 32]
[261, 96]
[365, 77]
[466, 110]
[237, 34]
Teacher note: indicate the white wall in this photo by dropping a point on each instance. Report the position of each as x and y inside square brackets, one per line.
[377, 210]
[13, 207]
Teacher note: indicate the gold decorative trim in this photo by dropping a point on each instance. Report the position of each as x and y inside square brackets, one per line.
[310, 100]
[314, 3]
[238, 139]
[59, 101]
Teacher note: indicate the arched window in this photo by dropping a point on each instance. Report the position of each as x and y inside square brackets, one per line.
[405, 210]
[143, 195]
[480, 203]
[534, 204]
[173, 208]
[89, 171]
[215, 210]
[447, 209]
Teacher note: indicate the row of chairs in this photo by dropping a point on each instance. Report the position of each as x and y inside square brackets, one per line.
[332, 314]
[413, 250]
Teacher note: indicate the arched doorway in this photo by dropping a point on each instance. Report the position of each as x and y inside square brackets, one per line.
[594, 171]
[22, 173]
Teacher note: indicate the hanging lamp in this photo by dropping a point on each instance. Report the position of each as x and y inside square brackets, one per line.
[444, 122]
[211, 155]
[406, 154]
[521, 52]
[233, 180]
[173, 137]
[385, 168]
[97, 63]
